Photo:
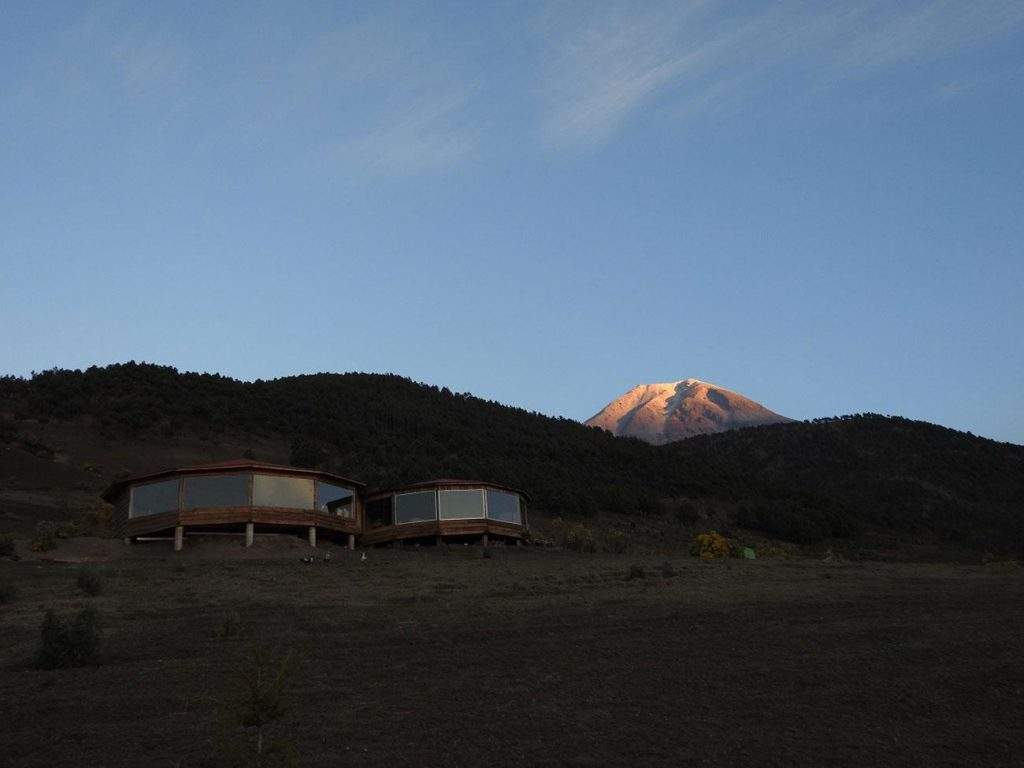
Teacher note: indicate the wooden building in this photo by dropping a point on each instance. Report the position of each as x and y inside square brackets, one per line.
[249, 496]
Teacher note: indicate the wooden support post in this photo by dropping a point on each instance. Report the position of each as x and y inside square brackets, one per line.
[519, 542]
[351, 541]
[250, 533]
[485, 540]
[439, 541]
[179, 537]
[312, 535]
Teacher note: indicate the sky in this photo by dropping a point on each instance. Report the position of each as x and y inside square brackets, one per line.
[819, 205]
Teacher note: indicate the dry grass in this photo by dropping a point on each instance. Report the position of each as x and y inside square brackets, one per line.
[442, 657]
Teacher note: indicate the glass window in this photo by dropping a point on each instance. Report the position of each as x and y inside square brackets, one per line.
[154, 498]
[461, 504]
[378, 512]
[216, 491]
[334, 500]
[504, 506]
[417, 507]
[282, 491]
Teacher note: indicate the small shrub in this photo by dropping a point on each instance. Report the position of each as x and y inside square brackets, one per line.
[6, 545]
[45, 537]
[772, 551]
[792, 521]
[710, 546]
[90, 582]
[666, 570]
[231, 626]
[68, 644]
[687, 513]
[96, 520]
[649, 505]
[579, 538]
[741, 551]
[8, 593]
[615, 542]
[635, 572]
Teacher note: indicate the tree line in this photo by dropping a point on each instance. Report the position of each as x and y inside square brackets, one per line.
[802, 481]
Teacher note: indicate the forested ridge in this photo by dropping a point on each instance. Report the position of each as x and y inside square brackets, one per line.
[803, 481]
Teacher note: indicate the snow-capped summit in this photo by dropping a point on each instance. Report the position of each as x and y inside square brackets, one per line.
[661, 413]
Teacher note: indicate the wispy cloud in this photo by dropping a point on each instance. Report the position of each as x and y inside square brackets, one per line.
[600, 69]
[603, 65]
[888, 34]
[426, 134]
[398, 105]
[111, 46]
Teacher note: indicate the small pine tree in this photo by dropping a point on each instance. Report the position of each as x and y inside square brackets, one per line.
[258, 700]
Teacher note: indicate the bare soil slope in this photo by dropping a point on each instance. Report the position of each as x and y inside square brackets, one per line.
[442, 657]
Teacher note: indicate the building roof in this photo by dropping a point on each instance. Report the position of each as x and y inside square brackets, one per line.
[234, 465]
[451, 482]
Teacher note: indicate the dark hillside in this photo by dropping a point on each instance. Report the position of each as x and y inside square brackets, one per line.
[839, 477]
[801, 481]
[378, 428]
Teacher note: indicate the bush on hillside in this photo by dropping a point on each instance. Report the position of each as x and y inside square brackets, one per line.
[615, 542]
[792, 521]
[686, 513]
[90, 582]
[710, 546]
[8, 593]
[230, 627]
[73, 643]
[579, 538]
[96, 520]
[45, 538]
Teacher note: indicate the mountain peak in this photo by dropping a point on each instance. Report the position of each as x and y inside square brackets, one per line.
[673, 410]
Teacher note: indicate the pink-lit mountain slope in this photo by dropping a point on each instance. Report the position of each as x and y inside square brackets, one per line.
[662, 413]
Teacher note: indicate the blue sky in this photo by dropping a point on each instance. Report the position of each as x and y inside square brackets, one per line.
[819, 205]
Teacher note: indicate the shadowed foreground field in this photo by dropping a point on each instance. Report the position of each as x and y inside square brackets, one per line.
[443, 657]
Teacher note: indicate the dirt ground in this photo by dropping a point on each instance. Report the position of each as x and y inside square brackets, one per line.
[442, 657]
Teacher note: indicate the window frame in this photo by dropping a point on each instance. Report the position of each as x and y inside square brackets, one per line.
[390, 498]
[483, 503]
[248, 475]
[252, 491]
[519, 505]
[316, 500]
[394, 507]
[131, 498]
